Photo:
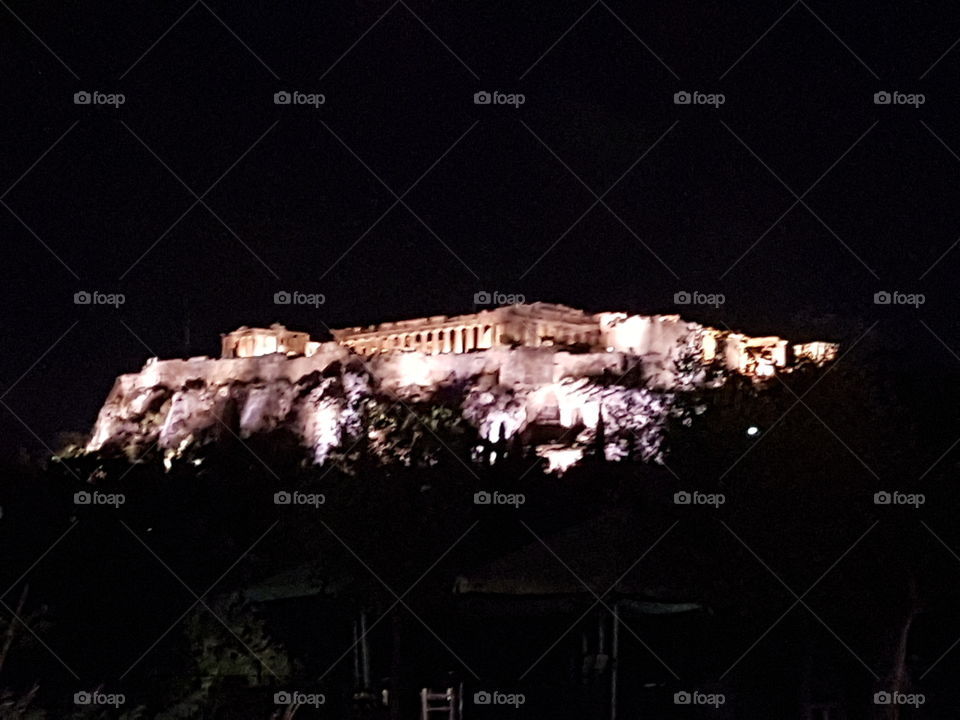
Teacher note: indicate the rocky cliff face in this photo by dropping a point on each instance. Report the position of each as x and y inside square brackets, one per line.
[323, 400]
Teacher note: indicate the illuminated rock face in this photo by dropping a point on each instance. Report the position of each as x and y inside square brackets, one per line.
[515, 369]
[632, 421]
[172, 402]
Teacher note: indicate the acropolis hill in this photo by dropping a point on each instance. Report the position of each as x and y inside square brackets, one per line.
[516, 368]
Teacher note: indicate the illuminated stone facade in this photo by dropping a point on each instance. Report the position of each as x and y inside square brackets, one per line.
[536, 325]
[247, 342]
[655, 338]
[817, 352]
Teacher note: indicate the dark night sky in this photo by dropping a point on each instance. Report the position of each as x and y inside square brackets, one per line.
[292, 199]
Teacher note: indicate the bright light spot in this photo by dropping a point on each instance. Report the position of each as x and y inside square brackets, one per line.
[559, 458]
[413, 369]
[753, 431]
[765, 369]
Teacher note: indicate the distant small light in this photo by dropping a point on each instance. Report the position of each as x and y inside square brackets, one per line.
[753, 431]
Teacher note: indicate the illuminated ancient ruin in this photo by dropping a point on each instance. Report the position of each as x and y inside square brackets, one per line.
[253, 342]
[533, 325]
[519, 370]
[541, 325]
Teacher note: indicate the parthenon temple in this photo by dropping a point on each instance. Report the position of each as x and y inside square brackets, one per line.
[533, 325]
